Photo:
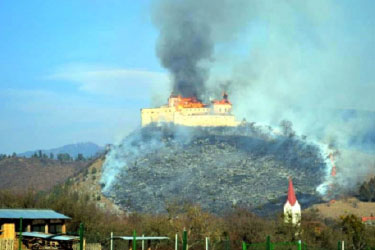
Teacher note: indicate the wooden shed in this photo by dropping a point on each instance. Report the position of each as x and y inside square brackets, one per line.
[34, 220]
[42, 227]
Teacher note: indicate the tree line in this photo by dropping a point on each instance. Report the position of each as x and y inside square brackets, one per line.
[62, 157]
[228, 229]
[367, 190]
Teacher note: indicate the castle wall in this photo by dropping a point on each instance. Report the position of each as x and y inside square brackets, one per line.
[218, 115]
[194, 111]
[222, 108]
[162, 114]
[205, 120]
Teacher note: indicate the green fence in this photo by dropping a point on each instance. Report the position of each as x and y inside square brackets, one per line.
[298, 245]
[268, 245]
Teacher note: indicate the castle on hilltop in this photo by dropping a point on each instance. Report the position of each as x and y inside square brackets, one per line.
[189, 111]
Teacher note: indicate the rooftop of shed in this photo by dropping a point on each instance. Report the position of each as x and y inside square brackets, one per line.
[31, 214]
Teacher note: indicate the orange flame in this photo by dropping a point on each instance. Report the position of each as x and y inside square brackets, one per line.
[188, 102]
[333, 172]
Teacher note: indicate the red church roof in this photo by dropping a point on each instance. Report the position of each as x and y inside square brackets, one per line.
[370, 218]
[291, 195]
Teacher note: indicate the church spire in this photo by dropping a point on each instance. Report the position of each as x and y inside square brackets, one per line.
[291, 194]
[292, 209]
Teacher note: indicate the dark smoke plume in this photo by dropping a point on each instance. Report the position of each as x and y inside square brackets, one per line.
[189, 31]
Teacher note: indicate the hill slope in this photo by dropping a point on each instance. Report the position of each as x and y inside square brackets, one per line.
[39, 174]
[215, 167]
[345, 206]
[87, 182]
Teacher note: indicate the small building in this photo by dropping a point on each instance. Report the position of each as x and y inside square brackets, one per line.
[42, 227]
[292, 209]
[369, 220]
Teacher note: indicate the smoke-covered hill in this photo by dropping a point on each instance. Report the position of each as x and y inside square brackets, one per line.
[217, 168]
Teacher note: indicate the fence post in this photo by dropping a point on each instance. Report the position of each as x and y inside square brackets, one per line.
[206, 243]
[339, 245]
[111, 245]
[227, 246]
[299, 245]
[134, 240]
[268, 243]
[176, 242]
[184, 240]
[244, 247]
[20, 235]
[81, 236]
[143, 242]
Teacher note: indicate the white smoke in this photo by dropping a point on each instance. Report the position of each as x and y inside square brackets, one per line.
[126, 151]
[303, 61]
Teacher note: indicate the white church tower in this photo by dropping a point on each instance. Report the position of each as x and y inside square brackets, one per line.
[292, 209]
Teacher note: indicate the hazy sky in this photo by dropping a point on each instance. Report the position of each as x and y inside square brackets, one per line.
[75, 70]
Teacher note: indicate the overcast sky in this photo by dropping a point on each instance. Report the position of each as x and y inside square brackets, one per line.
[80, 70]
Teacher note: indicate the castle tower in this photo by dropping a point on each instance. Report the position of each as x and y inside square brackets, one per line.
[292, 209]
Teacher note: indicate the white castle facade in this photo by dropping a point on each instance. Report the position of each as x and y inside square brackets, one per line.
[188, 111]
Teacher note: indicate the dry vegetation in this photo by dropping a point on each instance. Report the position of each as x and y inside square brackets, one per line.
[87, 182]
[35, 173]
[228, 229]
[81, 199]
[337, 208]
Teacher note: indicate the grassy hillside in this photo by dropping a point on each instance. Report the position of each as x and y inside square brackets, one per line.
[346, 206]
[87, 182]
[35, 173]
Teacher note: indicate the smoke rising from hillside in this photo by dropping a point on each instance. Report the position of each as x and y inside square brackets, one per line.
[211, 166]
[308, 62]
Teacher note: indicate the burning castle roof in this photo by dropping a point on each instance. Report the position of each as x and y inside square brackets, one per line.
[222, 101]
[189, 111]
[192, 102]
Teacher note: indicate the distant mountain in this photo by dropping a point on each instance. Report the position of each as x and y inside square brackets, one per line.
[87, 149]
